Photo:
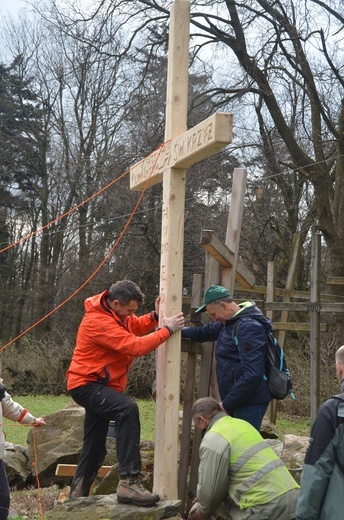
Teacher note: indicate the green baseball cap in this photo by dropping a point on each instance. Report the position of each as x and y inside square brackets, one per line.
[215, 292]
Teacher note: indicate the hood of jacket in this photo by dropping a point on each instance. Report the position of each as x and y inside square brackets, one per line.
[250, 310]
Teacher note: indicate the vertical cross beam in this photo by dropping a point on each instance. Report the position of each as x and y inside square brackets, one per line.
[171, 267]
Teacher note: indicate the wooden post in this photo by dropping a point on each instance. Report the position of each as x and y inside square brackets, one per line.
[181, 149]
[290, 283]
[271, 287]
[171, 266]
[234, 225]
[212, 277]
[270, 297]
[315, 325]
[184, 453]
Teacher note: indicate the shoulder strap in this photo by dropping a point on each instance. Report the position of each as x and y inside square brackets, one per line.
[236, 329]
[247, 318]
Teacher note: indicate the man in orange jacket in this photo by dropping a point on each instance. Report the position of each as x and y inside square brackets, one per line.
[110, 336]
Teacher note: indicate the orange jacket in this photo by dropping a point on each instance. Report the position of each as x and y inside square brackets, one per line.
[106, 346]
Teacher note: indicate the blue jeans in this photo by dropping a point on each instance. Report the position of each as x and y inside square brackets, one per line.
[252, 414]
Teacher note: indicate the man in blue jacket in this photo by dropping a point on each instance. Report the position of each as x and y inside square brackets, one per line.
[240, 368]
[322, 480]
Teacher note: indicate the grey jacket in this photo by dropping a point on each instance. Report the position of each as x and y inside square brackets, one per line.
[322, 482]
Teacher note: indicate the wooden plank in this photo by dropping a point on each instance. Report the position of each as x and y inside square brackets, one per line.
[290, 283]
[184, 453]
[305, 306]
[201, 141]
[300, 327]
[302, 295]
[218, 250]
[190, 347]
[315, 325]
[234, 226]
[271, 287]
[185, 437]
[68, 470]
[270, 296]
[335, 280]
[196, 348]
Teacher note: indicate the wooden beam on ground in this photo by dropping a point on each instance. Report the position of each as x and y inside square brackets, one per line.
[218, 250]
[68, 470]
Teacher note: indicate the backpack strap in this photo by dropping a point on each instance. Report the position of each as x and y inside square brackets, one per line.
[235, 332]
[236, 328]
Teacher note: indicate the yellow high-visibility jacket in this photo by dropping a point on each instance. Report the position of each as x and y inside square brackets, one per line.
[238, 465]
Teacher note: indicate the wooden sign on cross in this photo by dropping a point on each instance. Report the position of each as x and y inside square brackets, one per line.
[182, 149]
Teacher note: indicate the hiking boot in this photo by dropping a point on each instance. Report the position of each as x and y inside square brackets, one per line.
[131, 491]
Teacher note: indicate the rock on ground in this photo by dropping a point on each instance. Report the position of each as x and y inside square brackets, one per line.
[106, 507]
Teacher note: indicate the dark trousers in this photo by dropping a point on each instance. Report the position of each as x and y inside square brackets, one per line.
[253, 414]
[4, 493]
[102, 405]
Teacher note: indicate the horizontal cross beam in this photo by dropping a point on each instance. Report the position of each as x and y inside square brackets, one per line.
[225, 257]
[293, 293]
[335, 280]
[305, 306]
[295, 326]
[192, 146]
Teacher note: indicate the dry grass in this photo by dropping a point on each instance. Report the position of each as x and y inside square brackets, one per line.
[30, 503]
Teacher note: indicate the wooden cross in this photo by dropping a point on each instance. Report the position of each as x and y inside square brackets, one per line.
[182, 149]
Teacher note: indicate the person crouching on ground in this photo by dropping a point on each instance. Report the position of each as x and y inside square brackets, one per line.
[239, 468]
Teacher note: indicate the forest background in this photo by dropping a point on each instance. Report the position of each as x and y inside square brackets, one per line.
[82, 93]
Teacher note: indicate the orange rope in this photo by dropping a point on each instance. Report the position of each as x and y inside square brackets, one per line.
[96, 270]
[35, 464]
[34, 233]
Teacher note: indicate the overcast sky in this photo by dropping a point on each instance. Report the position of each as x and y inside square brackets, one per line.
[10, 6]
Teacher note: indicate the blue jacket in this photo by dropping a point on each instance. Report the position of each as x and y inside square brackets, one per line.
[240, 369]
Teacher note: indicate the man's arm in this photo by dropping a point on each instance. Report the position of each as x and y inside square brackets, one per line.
[213, 480]
[209, 332]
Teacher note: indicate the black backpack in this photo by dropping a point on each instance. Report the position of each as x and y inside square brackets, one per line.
[277, 373]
